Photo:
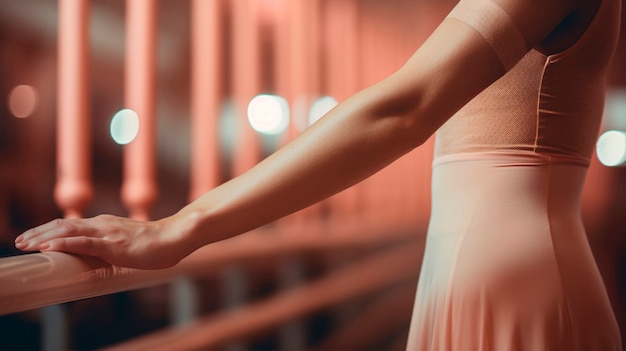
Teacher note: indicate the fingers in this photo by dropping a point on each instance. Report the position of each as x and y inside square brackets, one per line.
[34, 239]
[78, 245]
[59, 235]
[116, 240]
[34, 232]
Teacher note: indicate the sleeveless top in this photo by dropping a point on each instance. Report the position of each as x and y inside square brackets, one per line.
[547, 104]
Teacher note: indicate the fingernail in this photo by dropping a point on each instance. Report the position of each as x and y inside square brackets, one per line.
[20, 245]
[44, 246]
[19, 239]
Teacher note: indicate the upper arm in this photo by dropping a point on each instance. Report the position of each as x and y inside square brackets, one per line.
[459, 60]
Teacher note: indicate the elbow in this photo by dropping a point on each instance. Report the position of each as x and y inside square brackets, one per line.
[416, 127]
[410, 110]
[406, 113]
[410, 123]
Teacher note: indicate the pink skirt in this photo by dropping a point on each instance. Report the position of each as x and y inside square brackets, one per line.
[507, 265]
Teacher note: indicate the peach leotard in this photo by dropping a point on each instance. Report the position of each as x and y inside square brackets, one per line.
[507, 265]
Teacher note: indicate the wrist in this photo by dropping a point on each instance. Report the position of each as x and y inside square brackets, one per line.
[183, 230]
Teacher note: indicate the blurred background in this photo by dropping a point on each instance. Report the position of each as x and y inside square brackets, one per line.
[301, 57]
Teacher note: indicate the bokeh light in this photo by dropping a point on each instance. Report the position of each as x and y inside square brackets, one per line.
[23, 101]
[124, 126]
[321, 107]
[611, 148]
[268, 114]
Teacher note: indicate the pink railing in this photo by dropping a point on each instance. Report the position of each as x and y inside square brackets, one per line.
[354, 221]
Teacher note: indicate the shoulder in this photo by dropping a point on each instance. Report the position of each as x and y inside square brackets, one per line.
[541, 20]
[571, 28]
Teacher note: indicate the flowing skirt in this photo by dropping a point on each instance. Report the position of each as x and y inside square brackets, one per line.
[507, 265]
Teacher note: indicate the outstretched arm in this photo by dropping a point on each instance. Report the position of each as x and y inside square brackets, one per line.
[353, 141]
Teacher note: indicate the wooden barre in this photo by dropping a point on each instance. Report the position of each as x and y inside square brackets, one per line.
[42, 279]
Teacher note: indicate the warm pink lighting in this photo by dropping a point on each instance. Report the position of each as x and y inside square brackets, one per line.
[23, 101]
[271, 11]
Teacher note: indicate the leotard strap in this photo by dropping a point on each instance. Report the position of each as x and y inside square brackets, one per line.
[496, 26]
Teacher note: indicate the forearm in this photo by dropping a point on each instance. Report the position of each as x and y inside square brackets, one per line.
[356, 139]
[353, 141]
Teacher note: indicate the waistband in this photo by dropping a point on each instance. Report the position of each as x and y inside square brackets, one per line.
[513, 158]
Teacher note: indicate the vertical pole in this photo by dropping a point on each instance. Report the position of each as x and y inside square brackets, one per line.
[139, 188]
[341, 35]
[54, 328]
[298, 77]
[206, 94]
[303, 29]
[246, 81]
[234, 294]
[302, 22]
[341, 38]
[292, 334]
[73, 191]
[183, 301]
[282, 62]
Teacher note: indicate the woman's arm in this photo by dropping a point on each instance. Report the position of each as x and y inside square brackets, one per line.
[353, 141]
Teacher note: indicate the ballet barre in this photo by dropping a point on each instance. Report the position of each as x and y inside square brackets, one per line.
[36, 280]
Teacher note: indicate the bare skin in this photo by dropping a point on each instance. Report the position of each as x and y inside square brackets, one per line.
[353, 141]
